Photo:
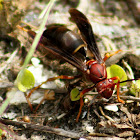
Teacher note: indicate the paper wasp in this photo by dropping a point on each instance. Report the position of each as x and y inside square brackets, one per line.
[63, 42]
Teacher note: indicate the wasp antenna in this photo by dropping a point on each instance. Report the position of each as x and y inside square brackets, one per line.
[30, 32]
[22, 28]
[130, 80]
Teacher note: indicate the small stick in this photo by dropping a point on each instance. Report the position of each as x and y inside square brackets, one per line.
[107, 117]
[57, 131]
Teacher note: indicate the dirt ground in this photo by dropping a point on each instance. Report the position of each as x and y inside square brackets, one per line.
[116, 27]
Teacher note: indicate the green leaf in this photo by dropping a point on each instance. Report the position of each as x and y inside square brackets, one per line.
[1, 132]
[135, 88]
[116, 70]
[25, 80]
[74, 94]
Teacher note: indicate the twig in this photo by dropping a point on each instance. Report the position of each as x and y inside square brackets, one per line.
[13, 135]
[123, 97]
[130, 98]
[130, 70]
[57, 131]
[107, 117]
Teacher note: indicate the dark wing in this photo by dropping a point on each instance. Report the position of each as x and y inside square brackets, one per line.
[44, 42]
[86, 32]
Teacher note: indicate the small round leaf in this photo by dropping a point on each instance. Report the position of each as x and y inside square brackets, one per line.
[74, 94]
[116, 70]
[25, 80]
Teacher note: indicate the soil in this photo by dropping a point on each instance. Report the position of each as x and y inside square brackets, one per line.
[116, 27]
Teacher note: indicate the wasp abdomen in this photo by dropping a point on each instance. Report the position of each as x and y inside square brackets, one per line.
[65, 39]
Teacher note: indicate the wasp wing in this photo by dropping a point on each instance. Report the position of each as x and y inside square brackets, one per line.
[51, 47]
[86, 32]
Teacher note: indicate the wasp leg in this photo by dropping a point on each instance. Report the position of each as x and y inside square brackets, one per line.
[28, 101]
[48, 80]
[81, 101]
[110, 54]
[118, 86]
[45, 98]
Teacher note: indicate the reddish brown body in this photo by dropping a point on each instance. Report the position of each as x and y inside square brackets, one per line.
[97, 74]
[105, 88]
